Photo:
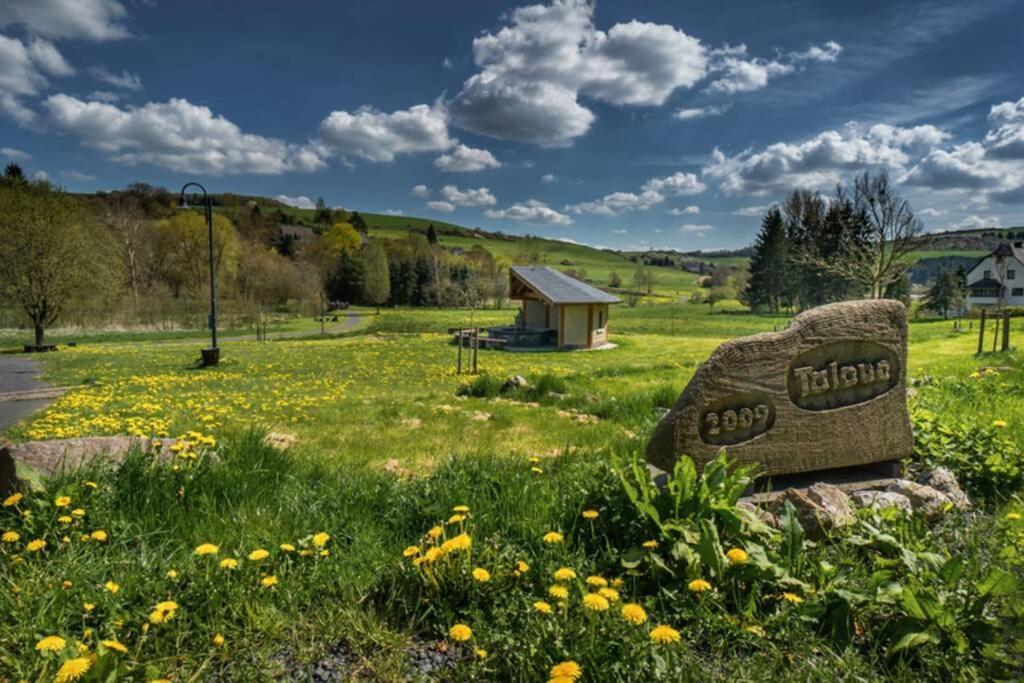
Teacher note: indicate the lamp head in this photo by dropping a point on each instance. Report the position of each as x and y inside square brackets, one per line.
[183, 203]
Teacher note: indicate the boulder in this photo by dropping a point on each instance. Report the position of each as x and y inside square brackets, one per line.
[877, 500]
[514, 382]
[924, 499]
[8, 477]
[821, 508]
[52, 457]
[942, 479]
[827, 392]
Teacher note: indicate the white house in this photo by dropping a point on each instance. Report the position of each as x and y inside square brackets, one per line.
[1002, 270]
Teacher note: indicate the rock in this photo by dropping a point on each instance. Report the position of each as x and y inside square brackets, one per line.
[280, 440]
[827, 392]
[943, 480]
[8, 476]
[877, 500]
[53, 457]
[514, 382]
[762, 514]
[923, 498]
[821, 509]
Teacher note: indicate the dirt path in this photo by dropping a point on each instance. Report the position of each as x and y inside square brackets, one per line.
[21, 391]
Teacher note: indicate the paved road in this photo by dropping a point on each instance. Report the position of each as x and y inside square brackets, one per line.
[17, 374]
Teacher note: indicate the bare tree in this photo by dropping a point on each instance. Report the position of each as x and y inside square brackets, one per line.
[126, 220]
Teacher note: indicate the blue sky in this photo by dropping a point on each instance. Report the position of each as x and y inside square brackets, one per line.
[620, 124]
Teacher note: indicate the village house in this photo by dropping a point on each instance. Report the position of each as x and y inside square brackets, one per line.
[557, 311]
[1001, 271]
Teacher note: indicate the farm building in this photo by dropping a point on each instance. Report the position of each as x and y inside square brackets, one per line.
[557, 311]
[999, 273]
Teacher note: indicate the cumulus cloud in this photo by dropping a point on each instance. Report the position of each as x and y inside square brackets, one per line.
[534, 69]
[77, 176]
[740, 73]
[86, 19]
[177, 135]
[653, 192]
[1006, 141]
[14, 154]
[676, 184]
[548, 178]
[978, 222]
[819, 162]
[466, 159]
[421, 191]
[378, 136]
[392, 212]
[531, 211]
[103, 96]
[24, 68]
[300, 202]
[443, 207]
[685, 114]
[698, 229]
[692, 209]
[752, 211]
[468, 197]
[125, 79]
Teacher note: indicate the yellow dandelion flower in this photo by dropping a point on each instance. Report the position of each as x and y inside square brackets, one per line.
[321, 539]
[521, 568]
[51, 644]
[114, 645]
[287, 548]
[698, 586]
[1010, 516]
[64, 519]
[73, 669]
[461, 509]
[460, 632]
[112, 587]
[559, 592]
[229, 563]
[482, 575]
[542, 607]
[597, 581]
[975, 375]
[92, 484]
[411, 551]
[595, 602]
[78, 512]
[455, 519]
[665, 635]
[36, 545]
[100, 536]
[12, 500]
[62, 501]
[737, 555]
[755, 630]
[617, 582]
[10, 537]
[553, 537]
[88, 606]
[171, 574]
[206, 549]
[569, 669]
[164, 611]
[650, 545]
[481, 653]
[590, 514]
[609, 594]
[268, 581]
[634, 613]
[460, 542]
[65, 584]
[537, 470]
[433, 555]
[434, 532]
[258, 554]
[792, 598]
[999, 424]
[564, 574]
[218, 640]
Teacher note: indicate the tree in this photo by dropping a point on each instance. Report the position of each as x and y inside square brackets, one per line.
[341, 237]
[125, 219]
[945, 294]
[358, 222]
[14, 175]
[377, 278]
[644, 279]
[183, 250]
[614, 281]
[431, 234]
[530, 251]
[767, 284]
[50, 252]
[716, 294]
[323, 214]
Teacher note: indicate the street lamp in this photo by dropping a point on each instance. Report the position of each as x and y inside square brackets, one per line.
[211, 356]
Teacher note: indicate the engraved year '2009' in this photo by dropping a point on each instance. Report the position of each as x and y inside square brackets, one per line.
[730, 420]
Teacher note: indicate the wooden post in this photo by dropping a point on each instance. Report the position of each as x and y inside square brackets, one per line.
[981, 333]
[995, 334]
[476, 346]
[459, 339]
[1006, 330]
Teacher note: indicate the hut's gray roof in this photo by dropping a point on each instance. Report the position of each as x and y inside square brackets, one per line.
[559, 288]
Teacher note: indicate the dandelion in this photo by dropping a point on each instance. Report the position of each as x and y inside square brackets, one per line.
[62, 501]
[164, 611]
[434, 532]
[92, 484]
[481, 653]
[36, 545]
[664, 635]
[65, 584]
[229, 563]
[64, 519]
[755, 630]
[568, 670]
[650, 545]
[595, 602]
[542, 607]
[112, 587]
[460, 542]
[461, 509]
[564, 574]
[559, 592]
[698, 586]
[537, 470]
[590, 514]
[460, 632]
[287, 548]
[634, 613]
[999, 424]
[792, 598]
[411, 551]
[73, 669]
[598, 581]
[218, 640]
[737, 555]
[78, 512]
[171, 574]
[1010, 516]
[88, 607]
[455, 519]
[433, 555]
[206, 549]
[114, 645]
[12, 500]
[521, 568]
[51, 644]
[268, 581]
[553, 537]
[617, 582]
[100, 536]
[258, 554]
[482, 575]
[321, 539]
[609, 594]
[10, 537]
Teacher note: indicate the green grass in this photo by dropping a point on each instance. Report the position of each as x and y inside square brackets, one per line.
[387, 445]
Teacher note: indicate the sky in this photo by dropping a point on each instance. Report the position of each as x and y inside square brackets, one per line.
[627, 125]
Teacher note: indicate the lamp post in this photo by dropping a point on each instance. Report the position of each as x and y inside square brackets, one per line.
[211, 356]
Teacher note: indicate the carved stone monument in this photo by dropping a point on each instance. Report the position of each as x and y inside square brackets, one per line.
[827, 392]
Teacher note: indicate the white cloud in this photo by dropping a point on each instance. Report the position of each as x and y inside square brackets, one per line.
[103, 96]
[694, 227]
[300, 202]
[930, 212]
[23, 70]
[676, 184]
[468, 197]
[753, 211]
[125, 80]
[444, 207]
[378, 136]
[392, 212]
[652, 192]
[88, 19]
[1007, 141]
[548, 178]
[14, 154]
[826, 52]
[77, 176]
[447, 64]
[700, 112]
[742, 74]
[978, 222]
[531, 211]
[692, 209]
[177, 135]
[466, 159]
[819, 162]
[41, 175]
[421, 191]
[620, 231]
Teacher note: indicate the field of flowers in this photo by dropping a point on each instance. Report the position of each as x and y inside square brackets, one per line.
[511, 536]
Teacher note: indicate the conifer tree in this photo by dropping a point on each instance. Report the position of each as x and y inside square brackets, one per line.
[767, 287]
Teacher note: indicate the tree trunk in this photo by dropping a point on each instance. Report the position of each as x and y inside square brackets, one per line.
[40, 332]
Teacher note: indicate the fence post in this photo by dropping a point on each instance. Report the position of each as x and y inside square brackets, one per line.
[459, 338]
[995, 332]
[1006, 330]
[981, 333]
[476, 346]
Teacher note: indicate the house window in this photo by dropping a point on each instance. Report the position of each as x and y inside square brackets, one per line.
[1017, 291]
[1011, 274]
[987, 275]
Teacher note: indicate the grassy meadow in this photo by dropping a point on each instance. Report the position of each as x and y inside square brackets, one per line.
[507, 534]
